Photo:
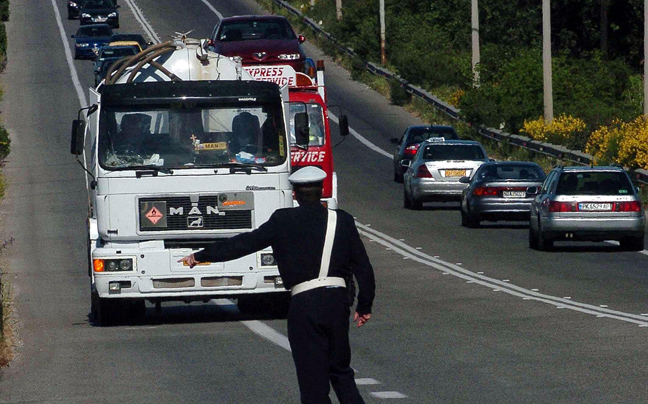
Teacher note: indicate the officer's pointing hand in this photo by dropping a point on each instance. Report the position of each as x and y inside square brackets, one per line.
[189, 260]
[361, 318]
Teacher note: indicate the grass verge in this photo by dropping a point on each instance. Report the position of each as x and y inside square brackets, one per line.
[5, 299]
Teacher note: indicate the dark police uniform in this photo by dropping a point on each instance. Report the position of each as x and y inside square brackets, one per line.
[318, 319]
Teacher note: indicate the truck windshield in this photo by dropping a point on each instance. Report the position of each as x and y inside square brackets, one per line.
[186, 135]
[316, 131]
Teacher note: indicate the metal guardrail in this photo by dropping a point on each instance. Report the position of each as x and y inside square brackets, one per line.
[520, 141]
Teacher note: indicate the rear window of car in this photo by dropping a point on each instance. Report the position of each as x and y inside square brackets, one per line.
[594, 183]
[418, 135]
[511, 172]
[453, 152]
[255, 29]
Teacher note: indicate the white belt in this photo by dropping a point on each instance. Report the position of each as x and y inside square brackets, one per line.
[323, 279]
[317, 283]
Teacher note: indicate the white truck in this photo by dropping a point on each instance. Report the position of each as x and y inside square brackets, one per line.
[181, 147]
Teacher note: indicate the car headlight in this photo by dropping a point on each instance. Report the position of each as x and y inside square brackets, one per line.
[85, 15]
[113, 14]
[72, 4]
[289, 56]
[82, 45]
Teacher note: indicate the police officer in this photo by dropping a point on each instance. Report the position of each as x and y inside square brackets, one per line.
[315, 270]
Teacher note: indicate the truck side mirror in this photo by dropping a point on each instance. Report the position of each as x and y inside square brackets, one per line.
[301, 129]
[344, 125]
[78, 134]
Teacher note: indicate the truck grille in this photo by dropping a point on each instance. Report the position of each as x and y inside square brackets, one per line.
[179, 214]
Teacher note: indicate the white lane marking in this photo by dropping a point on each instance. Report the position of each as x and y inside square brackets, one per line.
[219, 15]
[70, 59]
[366, 381]
[268, 333]
[361, 138]
[387, 394]
[139, 16]
[495, 284]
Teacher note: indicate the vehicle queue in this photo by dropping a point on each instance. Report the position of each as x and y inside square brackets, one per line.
[568, 204]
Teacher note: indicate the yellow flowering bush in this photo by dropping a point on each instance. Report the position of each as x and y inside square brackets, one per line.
[622, 142]
[455, 98]
[564, 130]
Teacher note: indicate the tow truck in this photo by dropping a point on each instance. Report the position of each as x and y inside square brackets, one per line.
[181, 147]
[307, 94]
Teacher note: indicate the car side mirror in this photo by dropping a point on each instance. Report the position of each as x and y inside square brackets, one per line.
[406, 163]
[78, 135]
[344, 125]
[464, 180]
[492, 160]
[301, 129]
[533, 191]
[73, 36]
[301, 39]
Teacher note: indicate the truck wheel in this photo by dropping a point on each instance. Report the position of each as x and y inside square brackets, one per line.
[105, 311]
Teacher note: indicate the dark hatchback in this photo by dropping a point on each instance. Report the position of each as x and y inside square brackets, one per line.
[259, 40]
[409, 142]
[99, 12]
[73, 8]
[500, 191]
[89, 39]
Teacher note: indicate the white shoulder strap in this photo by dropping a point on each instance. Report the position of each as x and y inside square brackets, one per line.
[328, 243]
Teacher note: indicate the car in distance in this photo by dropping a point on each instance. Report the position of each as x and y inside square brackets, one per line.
[434, 173]
[99, 12]
[407, 145]
[73, 7]
[129, 39]
[587, 204]
[267, 39]
[109, 55]
[89, 39]
[499, 191]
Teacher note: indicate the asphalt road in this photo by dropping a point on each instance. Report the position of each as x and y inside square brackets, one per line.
[461, 315]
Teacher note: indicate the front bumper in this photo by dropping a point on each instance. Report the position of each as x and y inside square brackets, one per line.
[156, 274]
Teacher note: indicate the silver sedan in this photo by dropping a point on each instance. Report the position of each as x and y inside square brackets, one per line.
[499, 191]
[434, 173]
[587, 203]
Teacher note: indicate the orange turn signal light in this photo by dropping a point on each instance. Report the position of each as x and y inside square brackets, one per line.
[98, 265]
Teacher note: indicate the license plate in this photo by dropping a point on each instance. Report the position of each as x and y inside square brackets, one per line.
[595, 207]
[455, 173]
[99, 19]
[514, 194]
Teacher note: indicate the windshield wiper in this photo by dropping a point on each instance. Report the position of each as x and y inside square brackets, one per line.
[244, 167]
[141, 171]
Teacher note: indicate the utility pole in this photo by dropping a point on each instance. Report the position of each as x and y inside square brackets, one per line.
[546, 61]
[475, 42]
[383, 57]
[338, 9]
[645, 100]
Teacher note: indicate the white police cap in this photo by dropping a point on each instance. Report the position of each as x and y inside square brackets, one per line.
[307, 175]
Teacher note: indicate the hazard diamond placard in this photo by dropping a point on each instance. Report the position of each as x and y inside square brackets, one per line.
[153, 214]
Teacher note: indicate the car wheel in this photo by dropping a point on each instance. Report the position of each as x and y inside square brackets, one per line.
[533, 238]
[416, 204]
[543, 243]
[407, 203]
[398, 177]
[632, 243]
[70, 17]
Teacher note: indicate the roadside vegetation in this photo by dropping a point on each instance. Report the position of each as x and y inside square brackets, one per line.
[597, 64]
[5, 290]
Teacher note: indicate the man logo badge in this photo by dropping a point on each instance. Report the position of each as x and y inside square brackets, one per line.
[194, 222]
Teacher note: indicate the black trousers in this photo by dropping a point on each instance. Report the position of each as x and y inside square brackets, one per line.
[318, 331]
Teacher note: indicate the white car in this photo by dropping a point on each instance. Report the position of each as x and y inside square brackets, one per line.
[434, 173]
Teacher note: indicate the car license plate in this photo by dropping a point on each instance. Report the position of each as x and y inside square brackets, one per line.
[455, 173]
[595, 207]
[99, 19]
[514, 194]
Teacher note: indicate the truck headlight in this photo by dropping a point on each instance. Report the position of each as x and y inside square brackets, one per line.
[267, 260]
[113, 264]
[289, 56]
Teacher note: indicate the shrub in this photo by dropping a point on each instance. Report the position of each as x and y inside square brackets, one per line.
[621, 142]
[4, 143]
[4, 10]
[564, 130]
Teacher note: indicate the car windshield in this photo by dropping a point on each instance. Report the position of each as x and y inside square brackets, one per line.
[255, 29]
[118, 52]
[316, 133]
[94, 31]
[442, 152]
[594, 183]
[418, 135]
[195, 135]
[510, 172]
[98, 4]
